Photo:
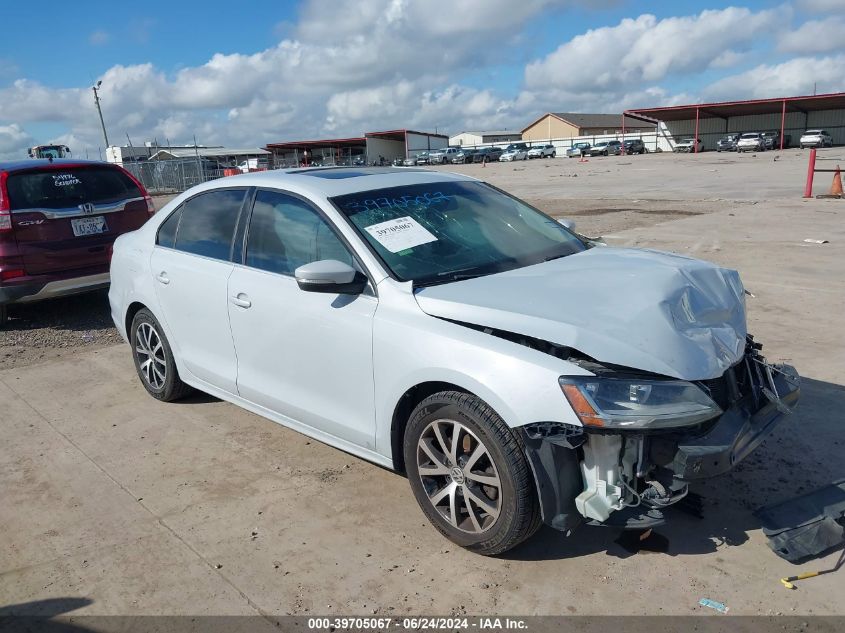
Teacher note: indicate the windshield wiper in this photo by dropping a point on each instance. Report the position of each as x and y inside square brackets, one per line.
[449, 276]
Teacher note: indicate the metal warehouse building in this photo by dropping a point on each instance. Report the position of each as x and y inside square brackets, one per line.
[791, 116]
[371, 148]
[557, 125]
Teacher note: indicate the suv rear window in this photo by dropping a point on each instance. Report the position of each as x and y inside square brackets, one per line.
[68, 187]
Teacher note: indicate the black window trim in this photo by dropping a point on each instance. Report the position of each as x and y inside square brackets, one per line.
[320, 213]
[246, 191]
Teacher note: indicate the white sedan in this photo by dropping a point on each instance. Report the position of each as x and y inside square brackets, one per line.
[517, 372]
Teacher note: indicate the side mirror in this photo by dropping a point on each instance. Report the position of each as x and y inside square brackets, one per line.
[569, 224]
[330, 276]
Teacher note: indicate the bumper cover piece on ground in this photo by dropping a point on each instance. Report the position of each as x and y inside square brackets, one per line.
[806, 526]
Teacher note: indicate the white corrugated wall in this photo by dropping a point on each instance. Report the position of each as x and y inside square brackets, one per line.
[711, 129]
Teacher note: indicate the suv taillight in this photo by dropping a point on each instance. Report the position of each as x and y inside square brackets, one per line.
[151, 209]
[5, 205]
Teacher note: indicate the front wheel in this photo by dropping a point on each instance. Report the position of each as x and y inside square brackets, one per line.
[469, 473]
[4, 315]
[154, 359]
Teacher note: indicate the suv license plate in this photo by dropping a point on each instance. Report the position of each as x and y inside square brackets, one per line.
[88, 226]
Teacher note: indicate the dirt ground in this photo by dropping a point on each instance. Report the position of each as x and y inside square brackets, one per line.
[131, 506]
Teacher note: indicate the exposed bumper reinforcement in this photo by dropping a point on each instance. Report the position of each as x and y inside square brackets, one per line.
[737, 433]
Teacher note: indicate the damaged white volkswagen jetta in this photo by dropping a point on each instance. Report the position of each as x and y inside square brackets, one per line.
[516, 371]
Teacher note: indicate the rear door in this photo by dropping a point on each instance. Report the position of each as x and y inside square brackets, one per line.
[191, 264]
[65, 217]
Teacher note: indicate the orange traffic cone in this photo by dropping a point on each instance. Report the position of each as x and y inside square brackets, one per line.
[836, 186]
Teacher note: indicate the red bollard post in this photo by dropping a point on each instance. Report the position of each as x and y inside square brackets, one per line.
[811, 169]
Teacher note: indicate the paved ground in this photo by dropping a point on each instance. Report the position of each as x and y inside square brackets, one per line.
[201, 508]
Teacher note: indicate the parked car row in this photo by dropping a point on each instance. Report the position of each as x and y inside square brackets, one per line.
[762, 141]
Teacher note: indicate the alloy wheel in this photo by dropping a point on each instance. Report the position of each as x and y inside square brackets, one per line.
[459, 476]
[149, 350]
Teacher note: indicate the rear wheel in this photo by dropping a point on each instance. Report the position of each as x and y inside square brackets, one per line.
[4, 315]
[154, 359]
[469, 473]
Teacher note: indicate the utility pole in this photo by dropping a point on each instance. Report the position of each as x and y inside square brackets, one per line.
[100, 112]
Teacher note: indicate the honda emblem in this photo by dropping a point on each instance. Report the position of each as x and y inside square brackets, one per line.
[87, 207]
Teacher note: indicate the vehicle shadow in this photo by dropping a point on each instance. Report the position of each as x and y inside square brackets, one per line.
[83, 312]
[197, 397]
[35, 616]
[802, 454]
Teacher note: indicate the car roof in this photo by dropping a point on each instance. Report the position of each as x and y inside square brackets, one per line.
[335, 181]
[34, 163]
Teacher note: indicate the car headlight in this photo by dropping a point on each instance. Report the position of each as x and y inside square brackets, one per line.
[625, 403]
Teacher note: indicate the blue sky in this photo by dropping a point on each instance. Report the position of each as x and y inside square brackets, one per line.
[253, 73]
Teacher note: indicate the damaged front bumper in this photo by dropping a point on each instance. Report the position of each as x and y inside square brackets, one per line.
[626, 478]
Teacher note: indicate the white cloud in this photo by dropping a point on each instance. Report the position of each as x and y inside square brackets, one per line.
[410, 104]
[647, 50]
[385, 61]
[795, 77]
[815, 36]
[14, 141]
[346, 67]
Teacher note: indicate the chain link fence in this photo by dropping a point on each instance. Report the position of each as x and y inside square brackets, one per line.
[177, 175]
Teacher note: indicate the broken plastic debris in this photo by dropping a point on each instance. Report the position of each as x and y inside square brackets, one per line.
[810, 240]
[721, 608]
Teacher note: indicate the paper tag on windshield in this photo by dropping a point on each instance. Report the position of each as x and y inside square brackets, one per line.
[400, 234]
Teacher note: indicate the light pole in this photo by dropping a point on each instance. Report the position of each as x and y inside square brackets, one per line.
[100, 112]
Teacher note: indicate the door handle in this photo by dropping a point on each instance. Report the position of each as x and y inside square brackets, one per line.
[241, 300]
[163, 278]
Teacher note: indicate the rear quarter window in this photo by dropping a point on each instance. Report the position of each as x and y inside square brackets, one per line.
[167, 231]
[67, 188]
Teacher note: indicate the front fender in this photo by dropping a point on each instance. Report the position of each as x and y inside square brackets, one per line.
[411, 347]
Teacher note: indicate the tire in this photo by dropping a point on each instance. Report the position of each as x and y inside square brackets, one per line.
[152, 353]
[4, 316]
[489, 518]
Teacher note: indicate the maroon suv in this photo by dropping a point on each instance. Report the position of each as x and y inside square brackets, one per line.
[58, 221]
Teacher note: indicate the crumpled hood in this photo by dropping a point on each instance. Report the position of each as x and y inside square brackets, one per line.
[639, 308]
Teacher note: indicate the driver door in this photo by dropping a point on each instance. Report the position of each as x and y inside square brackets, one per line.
[304, 355]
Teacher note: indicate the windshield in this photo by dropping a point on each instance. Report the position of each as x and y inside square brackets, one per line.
[440, 232]
[813, 132]
[750, 135]
[580, 145]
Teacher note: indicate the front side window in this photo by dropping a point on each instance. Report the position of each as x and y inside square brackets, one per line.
[445, 231]
[286, 233]
[208, 223]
